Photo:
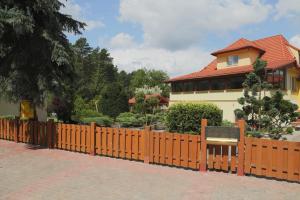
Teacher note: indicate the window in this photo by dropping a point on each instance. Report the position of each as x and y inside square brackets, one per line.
[202, 85]
[294, 86]
[235, 82]
[276, 78]
[218, 84]
[177, 86]
[188, 86]
[233, 60]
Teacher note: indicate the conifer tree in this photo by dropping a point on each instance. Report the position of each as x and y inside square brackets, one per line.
[34, 50]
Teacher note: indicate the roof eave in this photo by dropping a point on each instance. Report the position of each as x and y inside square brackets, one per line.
[236, 49]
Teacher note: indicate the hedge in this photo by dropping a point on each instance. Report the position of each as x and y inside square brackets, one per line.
[186, 118]
[100, 121]
[7, 117]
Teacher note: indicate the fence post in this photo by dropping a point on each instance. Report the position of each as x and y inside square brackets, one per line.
[241, 145]
[203, 151]
[50, 123]
[93, 135]
[146, 144]
[16, 130]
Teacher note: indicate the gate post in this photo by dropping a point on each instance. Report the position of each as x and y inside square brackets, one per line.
[146, 144]
[241, 145]
[203, 156]
[93, 135]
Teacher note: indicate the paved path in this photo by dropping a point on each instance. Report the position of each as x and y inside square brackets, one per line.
[295, 137]
[53, 174]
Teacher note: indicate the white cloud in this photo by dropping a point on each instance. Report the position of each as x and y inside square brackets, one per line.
[122, 40]
[93, 24]
[178, 24]
[71, 8]
[295, 40]
[74, 9]
[287, 9]
[174, 62]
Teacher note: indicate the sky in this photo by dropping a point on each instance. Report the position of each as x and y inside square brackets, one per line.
[178, 36]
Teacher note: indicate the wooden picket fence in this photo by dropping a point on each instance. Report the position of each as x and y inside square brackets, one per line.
[261, 157]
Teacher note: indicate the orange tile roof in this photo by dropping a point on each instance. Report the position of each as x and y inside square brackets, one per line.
[239, 44]
[275, 51]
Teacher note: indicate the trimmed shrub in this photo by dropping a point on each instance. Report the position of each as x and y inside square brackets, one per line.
[128, 119]
[289, 130]
[227, 123]
[183, 118]
[86, 116]
[100, 121]
[255, 134]
[7, 117]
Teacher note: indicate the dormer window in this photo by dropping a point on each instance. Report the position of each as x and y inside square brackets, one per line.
[232, 60]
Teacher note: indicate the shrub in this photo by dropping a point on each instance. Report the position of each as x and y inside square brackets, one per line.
[255, 134]
[128, 119]
[227, 123]
[7, 117]
[289, 130]
[186, 117]
[85, 114]
[160, 122]
[100, 121]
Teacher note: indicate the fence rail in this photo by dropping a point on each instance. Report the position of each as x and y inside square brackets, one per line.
[261, 157]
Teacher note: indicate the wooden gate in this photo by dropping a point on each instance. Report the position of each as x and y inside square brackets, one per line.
[220, 148]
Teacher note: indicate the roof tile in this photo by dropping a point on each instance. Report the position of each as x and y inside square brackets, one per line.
[276, 53]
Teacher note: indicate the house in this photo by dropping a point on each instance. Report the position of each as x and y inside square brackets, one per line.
[163, 101]
[220, 82]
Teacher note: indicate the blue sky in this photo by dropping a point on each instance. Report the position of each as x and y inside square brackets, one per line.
[177, 36]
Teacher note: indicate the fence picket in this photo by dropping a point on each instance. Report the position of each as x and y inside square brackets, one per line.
[210, 162]
[233, 159]
[122, 143]
[176, 150]
[224, 158]
[169, 148]
[184, 149]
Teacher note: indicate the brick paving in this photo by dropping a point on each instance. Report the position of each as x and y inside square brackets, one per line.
[33, 173]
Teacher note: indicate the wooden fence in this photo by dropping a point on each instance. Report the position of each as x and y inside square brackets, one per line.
[261, 157]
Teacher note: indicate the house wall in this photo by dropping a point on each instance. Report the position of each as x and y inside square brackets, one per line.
[246, 57]
[7, 108]
[295, 53]
[227, 99]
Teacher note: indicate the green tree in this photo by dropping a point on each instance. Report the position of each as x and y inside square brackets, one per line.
[139, 106]
[150, 78]
[277, 114]
[98, 81]
[34, 50]
[254, 88]
[264, 113]
[114, 100]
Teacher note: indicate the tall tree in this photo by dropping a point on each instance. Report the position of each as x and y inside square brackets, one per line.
[151, 78]
[34, 50]
[114, 100]
[97, 80]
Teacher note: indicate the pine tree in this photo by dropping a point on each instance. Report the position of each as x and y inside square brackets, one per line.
[34, 50]
[255, 87]
[268, 114]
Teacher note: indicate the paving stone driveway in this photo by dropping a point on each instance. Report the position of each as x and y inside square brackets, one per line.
[27, 173]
